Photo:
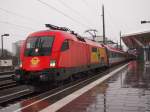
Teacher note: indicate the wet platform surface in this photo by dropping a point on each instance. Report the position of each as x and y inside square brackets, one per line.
[127, 91]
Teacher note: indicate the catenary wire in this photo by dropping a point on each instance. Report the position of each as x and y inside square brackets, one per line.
[20, 26]
[62, 13]
[19, 15]
[75, 11]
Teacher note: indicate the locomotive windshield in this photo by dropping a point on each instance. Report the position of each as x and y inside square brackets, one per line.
[39, 46]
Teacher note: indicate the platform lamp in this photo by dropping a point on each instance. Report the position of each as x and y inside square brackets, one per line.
[4, 35]
[143, 22]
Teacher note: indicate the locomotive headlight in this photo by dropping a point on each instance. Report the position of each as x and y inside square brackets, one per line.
[52, 63]
[20, 65]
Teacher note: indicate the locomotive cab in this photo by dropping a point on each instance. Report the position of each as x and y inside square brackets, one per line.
[40, 56]
[37, 53]
[36, 60]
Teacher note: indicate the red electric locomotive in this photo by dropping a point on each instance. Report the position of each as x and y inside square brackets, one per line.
[56, 54]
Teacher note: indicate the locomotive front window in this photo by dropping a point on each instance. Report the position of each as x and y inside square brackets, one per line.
[39, 46]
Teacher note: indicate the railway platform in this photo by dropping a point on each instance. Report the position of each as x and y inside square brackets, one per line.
[125, 89]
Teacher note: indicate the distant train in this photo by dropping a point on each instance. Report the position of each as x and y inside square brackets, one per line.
[58, 54]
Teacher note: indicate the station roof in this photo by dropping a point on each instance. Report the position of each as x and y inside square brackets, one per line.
[136, 40]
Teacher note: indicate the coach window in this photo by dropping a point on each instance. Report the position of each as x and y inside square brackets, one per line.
[65, 45]
[113, 55]
[110, 54]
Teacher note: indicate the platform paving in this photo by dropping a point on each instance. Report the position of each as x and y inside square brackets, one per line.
[127, 91]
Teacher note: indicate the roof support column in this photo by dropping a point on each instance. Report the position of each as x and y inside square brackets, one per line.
[138, 42]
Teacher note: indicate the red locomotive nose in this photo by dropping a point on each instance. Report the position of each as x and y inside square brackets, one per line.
[36, 63]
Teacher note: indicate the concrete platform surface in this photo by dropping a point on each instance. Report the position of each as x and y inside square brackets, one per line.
[127, 91]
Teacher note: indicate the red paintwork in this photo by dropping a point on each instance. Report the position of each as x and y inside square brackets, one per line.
[43, 63]
[114, 49]
[78, 55]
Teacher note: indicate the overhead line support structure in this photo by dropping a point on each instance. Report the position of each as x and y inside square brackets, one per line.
[103, 18]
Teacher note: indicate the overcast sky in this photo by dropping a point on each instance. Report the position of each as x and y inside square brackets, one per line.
[22, 17]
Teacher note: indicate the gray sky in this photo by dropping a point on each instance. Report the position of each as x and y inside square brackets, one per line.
[22, 17]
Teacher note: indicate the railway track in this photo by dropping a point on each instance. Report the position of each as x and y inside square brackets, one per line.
[6, 80]
[14, 94]
[5, 73]
[26, 93]
[5, 76]
[8, 85]
[33, 92]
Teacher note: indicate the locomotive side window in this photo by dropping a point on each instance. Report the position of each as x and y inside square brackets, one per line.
[94, 49]
[65, 45]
